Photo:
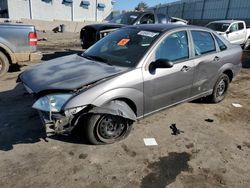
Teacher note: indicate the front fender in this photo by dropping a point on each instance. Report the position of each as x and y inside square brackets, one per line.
[132, 94]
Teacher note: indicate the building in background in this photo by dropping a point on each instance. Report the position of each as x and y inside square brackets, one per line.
[67, 10]
[201, 12]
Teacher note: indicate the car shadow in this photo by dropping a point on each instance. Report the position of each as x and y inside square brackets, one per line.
[246, 59]
[21, 124]
[49, 56]
[246, 64]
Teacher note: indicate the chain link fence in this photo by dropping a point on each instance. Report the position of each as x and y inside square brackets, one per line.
[200, 12]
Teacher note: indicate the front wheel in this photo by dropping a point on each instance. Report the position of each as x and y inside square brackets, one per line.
[4, 64]
[106, 128]
[220, 89]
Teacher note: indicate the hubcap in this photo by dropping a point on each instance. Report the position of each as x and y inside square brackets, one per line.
[221, 88]
[110, 127]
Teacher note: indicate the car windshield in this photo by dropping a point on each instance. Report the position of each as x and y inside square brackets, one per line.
[124, 47]
[127, 18]
[222, 27]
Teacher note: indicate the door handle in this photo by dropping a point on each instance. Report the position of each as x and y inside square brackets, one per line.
[185, 68]
[216, 58]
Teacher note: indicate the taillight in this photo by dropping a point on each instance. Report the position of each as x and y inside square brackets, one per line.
[32, 39]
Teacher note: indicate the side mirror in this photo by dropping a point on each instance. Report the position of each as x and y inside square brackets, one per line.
[227, 32]
[161, 63]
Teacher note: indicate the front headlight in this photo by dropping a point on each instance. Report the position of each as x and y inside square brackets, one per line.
[51, 103]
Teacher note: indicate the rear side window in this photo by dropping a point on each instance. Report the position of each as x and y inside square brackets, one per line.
[203, 42]
[221, 44]
[241, 26]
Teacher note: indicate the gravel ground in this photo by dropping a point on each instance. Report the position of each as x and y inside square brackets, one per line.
[205, 154]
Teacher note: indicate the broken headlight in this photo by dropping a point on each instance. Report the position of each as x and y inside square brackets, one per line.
[51, 103]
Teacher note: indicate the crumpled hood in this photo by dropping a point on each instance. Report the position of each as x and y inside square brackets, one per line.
[67, 73]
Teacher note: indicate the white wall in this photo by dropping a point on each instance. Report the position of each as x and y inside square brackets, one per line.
[18, 9]
[57, 11]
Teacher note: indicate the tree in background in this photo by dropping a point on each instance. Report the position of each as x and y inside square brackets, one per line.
[142, 6]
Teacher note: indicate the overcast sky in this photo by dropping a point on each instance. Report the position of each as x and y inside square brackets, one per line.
[131, 4]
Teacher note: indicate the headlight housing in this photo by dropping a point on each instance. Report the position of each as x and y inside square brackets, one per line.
[51, 103]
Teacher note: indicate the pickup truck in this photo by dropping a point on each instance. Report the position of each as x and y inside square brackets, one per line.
[90, 34]
[235, 31]
[17, 43]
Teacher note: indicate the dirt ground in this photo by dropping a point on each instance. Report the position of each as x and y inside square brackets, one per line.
[205, 154]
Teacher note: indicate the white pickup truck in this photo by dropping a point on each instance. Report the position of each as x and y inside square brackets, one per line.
[235, 31]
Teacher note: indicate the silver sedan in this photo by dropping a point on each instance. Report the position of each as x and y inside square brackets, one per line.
[129, 74]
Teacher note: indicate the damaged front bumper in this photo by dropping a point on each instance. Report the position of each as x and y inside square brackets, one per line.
[56, 122]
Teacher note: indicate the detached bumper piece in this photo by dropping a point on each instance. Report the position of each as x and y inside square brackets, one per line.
[56, 123]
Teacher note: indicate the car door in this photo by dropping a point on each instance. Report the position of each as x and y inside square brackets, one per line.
[242, 32]
[234, 35]
[207, 62]
[167, 86]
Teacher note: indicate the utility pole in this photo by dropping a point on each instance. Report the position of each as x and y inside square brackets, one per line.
[30, 9]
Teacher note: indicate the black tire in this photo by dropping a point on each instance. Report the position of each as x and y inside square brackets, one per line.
[4, 64]
[247, 45]
[220, 89]
[106, 128]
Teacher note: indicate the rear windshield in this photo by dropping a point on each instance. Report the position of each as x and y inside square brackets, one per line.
[222, 27]
[126, 19]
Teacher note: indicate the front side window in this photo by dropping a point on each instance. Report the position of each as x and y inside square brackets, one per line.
[174, 47]
[203, 42]
[124, 47]
[234, 27]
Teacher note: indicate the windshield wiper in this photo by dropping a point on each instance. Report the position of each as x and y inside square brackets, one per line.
[97, 58]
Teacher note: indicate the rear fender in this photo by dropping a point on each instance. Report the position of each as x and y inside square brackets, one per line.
[9, 52]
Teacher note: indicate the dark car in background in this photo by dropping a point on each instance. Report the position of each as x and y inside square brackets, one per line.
[90, 34]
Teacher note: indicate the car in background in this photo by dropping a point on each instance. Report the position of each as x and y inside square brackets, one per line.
[17, 43]
[235, 31]
[90, 34]
[133, 72]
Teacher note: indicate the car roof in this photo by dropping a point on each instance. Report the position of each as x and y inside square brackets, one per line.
[164, 27]
[225, 21]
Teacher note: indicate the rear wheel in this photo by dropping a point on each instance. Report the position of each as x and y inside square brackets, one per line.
[106, 128]
[247, 45]
[4, 64]
[220, 89]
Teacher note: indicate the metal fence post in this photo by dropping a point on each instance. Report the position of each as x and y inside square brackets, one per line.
[96, 10]
[203, 9]
[183, 9]
[227, 10]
